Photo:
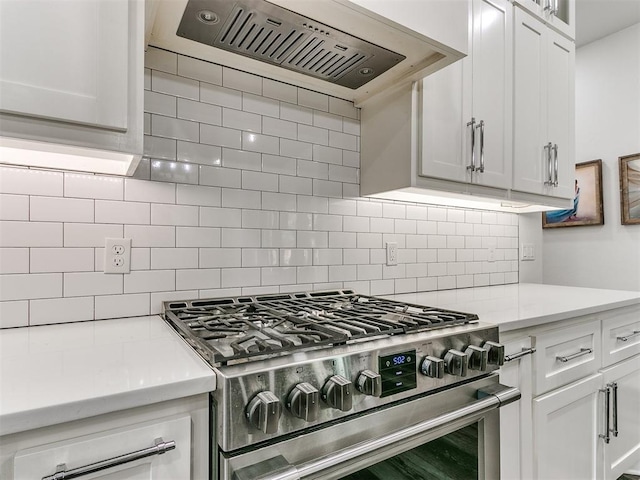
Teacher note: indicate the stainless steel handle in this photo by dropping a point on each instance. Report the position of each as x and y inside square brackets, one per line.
[627, 337]
[472, 124]
[481, 127]
[159, 447]
[552, 7]
[607, 409]
[493, 400]
[549, 181]
[515, 356]
[555, 165]
[582, 352]
[614, 389]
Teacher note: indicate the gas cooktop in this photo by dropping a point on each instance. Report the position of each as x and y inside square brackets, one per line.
[232, 330]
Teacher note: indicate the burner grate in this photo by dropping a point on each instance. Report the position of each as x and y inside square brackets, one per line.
[237, 329]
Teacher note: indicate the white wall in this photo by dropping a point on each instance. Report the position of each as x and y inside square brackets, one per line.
[607, 127]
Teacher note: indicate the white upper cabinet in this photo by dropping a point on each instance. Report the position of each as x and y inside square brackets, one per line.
[544, 109]
[559, 14]
[466, 107]
[71, 73]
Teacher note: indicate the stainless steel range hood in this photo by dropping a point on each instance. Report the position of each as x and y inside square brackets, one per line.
[336, 47]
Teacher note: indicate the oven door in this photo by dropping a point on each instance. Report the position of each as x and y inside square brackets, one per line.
[453, 434]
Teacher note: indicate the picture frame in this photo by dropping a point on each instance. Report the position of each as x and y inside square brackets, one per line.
[587, 203]
[630, 189]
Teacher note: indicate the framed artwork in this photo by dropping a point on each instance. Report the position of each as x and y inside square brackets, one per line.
[587, 202]
[630, 189]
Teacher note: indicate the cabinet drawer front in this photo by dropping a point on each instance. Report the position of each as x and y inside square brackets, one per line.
[38, 462]
[620, 334]
[566, 355]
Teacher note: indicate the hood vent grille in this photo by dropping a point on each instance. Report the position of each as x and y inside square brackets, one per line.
[272, 34]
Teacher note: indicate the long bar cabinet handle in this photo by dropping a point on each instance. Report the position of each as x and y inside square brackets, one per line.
[515, 356]
[472, 124]
[159, 447]
[607, 408]
[614, 389]
[481, 127]
[581, 353]
[555, 165]
[627, 337]
[547, 149]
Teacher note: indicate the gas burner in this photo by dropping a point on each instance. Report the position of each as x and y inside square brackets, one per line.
[239, 329]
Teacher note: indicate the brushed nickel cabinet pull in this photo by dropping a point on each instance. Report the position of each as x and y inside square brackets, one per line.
[472, 166]
[582, 352]
[159, 447]
[607, 407]
[627, 337]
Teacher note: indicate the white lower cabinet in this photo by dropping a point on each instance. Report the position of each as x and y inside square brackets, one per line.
[168, 441]
[622, 382]
[566, 428]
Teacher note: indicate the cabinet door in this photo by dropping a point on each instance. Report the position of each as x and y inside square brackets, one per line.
[558, 14]
[561, 110]
[530, 163]
[78, 452]
[623, 449]
[67, 60]
[491, 90]
[566, 427]
[516, 439]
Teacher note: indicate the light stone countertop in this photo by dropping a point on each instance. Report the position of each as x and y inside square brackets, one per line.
[524, 305]
[57, 373]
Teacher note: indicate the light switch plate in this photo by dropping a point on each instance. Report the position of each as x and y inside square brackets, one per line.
[527, 252]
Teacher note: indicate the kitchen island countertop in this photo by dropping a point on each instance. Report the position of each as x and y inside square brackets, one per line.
[52, 374]
[524, 305]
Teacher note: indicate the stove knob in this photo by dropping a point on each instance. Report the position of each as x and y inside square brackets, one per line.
[455, 363]
[369, 383]
[263, 412]
[337, 393]
[477, 358]
[495, 353]
[303, 401]
[432, 367]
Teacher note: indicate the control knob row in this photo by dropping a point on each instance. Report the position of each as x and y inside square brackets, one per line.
[264, 409]
[457, 363]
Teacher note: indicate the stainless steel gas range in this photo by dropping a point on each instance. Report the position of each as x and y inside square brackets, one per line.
[340, 385]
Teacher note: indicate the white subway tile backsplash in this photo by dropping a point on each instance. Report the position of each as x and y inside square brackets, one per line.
[199, 70]
[149, 236]
[114, 306]
[199, 112]
[14, 260]
[196, 279]
[60, 310]
[279, 91]
[260, 219]
[107, 211]
[221, 96]
[150, 281]
[244, 81]
[30, 286]
[256, 191]
[43, 260]
[183, 215]
[14, 314]
[198, 195]
[260, 105]
[163, 60]
[14, 207]
[174, 85]
[27, 181]
[220, 136]
[30, 234]
[220, 257]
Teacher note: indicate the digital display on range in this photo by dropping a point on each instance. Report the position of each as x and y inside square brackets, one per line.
[398, 372]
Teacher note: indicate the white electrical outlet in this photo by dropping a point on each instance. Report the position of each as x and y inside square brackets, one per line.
[117, 255]
[491, 254]
[392, 253]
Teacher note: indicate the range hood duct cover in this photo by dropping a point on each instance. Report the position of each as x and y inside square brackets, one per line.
[269, 33]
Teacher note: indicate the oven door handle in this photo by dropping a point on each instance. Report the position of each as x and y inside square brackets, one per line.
[489, 398]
